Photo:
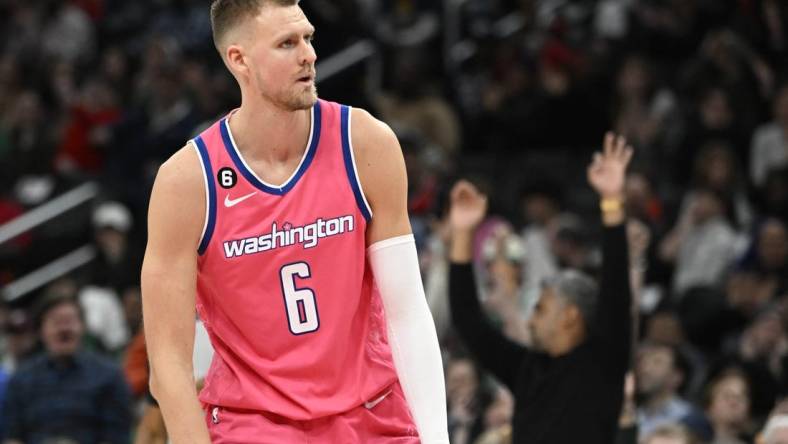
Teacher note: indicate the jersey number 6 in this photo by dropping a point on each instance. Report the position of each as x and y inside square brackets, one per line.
[300, 303]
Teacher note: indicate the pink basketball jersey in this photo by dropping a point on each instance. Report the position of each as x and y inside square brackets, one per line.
[283, 285]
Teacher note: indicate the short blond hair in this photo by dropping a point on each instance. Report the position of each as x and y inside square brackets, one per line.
[226, 14]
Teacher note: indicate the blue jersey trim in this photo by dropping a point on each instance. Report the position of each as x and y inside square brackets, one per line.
[350, 169]
[253, 179]
[211, 190]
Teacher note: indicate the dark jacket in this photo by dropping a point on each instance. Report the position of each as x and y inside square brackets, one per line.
[574, 398]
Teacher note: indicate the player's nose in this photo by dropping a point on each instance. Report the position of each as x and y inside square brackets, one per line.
[308, 55]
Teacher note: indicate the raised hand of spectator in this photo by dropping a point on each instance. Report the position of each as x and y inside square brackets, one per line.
[468, 207]
[607, 172]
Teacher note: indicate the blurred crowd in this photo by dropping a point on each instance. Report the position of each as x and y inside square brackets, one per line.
[515, 94]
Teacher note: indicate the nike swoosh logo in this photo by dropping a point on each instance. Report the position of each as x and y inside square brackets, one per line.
[233, 202]
[374, 402]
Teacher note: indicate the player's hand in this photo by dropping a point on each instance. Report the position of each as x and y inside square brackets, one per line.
[607, 171]
[468, 207]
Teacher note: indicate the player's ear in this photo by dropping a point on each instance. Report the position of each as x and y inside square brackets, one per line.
[236, 60]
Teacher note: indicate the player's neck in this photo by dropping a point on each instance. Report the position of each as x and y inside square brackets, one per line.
[269, 133]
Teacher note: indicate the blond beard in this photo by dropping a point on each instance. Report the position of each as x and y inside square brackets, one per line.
[305, 99]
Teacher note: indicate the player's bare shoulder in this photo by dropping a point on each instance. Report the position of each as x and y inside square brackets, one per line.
[178, 196]
[377, 154]
[371, 138]
[182, 168]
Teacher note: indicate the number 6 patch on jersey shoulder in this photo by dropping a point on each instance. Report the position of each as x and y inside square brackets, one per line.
[227, 178]
[300, 303]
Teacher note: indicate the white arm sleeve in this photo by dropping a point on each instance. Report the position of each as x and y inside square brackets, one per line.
[411, 334]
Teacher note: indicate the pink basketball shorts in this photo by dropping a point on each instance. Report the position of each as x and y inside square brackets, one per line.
[383, 420]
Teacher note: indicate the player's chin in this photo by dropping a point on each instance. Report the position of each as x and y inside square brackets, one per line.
[306, 99]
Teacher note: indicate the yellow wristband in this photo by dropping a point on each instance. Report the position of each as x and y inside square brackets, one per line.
[611, 205]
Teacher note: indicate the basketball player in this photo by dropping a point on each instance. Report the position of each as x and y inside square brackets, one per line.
[285, 223]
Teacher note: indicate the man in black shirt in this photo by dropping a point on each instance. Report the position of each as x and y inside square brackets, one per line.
[568, 385]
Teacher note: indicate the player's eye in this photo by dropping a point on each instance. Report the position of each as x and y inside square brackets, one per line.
[289, 43]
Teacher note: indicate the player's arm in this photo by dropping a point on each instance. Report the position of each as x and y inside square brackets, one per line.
[392, 255]
[175, 218]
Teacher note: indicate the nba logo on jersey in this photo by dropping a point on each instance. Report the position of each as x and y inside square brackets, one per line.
[288, 263]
